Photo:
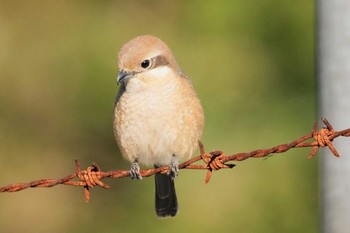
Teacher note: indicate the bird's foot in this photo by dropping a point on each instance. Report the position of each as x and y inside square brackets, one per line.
[173, 171]
[135, 170]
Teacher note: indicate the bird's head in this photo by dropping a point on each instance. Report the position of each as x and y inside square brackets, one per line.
[144, 54]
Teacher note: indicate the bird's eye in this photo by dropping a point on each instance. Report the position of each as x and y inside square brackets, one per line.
[145, 64]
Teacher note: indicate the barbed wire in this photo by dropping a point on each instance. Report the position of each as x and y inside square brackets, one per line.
[213, 161]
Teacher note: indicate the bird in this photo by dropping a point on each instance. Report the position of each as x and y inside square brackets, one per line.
[158, 117]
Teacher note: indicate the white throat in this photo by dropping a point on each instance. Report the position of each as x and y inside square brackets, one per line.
[159, 77]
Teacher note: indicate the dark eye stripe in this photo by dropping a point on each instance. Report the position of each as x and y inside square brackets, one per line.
[159, 61]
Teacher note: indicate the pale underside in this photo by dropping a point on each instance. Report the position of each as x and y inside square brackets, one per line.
[159, 116]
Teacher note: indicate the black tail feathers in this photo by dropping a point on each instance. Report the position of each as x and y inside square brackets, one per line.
[166, 201]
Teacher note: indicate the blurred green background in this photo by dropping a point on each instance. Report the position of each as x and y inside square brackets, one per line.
[252, 64]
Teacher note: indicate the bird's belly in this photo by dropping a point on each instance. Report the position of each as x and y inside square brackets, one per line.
[153, 130]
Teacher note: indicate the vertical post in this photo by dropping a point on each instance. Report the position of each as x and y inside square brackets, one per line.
[333, 48]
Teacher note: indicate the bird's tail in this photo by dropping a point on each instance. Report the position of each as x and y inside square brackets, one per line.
[166, 201]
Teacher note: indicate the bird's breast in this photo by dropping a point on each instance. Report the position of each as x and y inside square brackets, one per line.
[152, 123]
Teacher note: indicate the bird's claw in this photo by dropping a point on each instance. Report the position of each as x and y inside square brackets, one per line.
[135, 171]
[173, 171]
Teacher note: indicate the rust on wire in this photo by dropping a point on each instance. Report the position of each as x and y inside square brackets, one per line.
[213, 161]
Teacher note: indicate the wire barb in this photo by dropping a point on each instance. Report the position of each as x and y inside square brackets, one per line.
[213, 161]
[89, 178]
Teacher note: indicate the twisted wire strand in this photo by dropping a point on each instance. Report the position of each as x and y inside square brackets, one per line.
[213, 161]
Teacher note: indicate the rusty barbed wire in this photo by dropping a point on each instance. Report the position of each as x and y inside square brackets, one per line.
[213, 161]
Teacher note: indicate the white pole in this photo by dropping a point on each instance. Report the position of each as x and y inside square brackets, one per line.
[333, 49]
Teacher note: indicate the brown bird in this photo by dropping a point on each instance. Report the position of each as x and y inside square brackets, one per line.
[158, 119]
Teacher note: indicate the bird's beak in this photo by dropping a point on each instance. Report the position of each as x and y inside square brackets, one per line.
[123, 76]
